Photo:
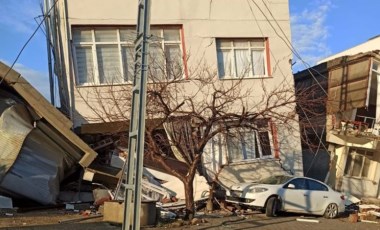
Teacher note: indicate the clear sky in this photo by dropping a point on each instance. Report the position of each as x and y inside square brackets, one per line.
[319, 28]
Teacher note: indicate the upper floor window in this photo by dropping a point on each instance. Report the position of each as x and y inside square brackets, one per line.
[106, 55]
[242, 58]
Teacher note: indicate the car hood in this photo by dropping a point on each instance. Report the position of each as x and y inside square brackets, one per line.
[244, 186]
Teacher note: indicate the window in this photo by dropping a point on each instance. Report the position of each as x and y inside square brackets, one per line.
[165, 59]
[358, 163]
[299, 183]
[106, 55]
[244, 144]
[316, 186]
[241, 58]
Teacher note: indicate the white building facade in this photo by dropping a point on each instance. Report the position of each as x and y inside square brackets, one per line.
[93, 42]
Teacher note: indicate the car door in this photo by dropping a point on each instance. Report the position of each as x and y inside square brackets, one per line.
[318, 194]
[293, 195]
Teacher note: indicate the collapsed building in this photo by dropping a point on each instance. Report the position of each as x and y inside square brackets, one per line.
[347, 124]
[39, 149]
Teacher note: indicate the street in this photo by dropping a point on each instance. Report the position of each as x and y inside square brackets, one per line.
[214, 221]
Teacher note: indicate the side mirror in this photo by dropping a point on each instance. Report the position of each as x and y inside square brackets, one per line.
[291, 186]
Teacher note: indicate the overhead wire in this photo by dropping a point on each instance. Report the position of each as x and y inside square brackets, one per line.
[293, 50]
[287, 41]
[27, 42]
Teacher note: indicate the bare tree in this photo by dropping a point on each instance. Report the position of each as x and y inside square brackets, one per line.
[192, 107]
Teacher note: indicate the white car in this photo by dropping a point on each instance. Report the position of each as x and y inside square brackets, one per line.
[290, 194]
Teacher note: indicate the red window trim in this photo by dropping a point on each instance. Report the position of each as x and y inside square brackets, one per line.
[275, 139]
[267, 49]
[184, 55]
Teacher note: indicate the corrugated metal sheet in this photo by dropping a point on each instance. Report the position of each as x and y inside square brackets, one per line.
[45, 110]
[39, 149]
[15, 125]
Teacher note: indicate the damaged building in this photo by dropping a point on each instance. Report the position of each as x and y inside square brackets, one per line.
[39, 149]
[348, 125]
[92, 44]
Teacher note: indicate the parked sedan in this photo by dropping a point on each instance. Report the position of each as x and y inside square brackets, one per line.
[290, 194]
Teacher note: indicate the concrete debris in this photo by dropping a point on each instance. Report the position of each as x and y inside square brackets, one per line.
[370, 221]
[368, 207]
[353, 218]
[113, 211]
[101, 196]
[196, 221]
[364, 213]
[374, 213]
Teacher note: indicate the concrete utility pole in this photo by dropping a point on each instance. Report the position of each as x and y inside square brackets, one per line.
[47, 28]
[137, 123]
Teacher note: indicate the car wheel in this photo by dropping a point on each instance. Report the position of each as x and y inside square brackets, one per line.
[271, 208]
[331, 211]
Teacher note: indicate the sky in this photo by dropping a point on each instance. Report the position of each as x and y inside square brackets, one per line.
[319, 28]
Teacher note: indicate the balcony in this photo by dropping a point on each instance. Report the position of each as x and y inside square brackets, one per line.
[361, 133]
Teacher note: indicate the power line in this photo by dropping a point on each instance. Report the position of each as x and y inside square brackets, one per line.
[287, 41]
[292, 48]
[27, 42]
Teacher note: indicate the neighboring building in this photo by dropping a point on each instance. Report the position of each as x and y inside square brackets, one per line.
[350, 121]
[93, 46]
[367, 46]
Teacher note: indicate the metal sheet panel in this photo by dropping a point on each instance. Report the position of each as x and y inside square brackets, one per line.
[45, 110]
[15, 125]
[348, 86]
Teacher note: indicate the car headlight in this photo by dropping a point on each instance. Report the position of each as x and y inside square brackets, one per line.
[257, 190]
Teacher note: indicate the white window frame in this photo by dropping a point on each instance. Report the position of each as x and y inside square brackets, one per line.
[355, 153]
[120, 44]
[256, 137]
[250, 48]
[164, 43]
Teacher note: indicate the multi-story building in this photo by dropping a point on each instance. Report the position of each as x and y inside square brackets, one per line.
[93, 47]
[348, 126]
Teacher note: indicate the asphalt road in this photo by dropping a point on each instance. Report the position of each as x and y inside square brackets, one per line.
[253, 221]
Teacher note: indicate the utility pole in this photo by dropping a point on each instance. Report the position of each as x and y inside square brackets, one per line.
[133, 176]
[47, 28]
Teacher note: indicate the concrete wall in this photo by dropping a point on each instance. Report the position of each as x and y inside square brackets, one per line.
[360, 187]
[202, 21]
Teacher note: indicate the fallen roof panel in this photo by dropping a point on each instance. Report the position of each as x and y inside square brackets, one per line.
[45, 110]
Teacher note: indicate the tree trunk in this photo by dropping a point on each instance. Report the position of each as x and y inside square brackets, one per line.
[210, 201]
[189, 196]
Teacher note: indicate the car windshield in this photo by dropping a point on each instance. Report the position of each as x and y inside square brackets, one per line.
[275, 179]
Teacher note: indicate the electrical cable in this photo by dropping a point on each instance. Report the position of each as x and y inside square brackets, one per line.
[287, 41]
[27, 42]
